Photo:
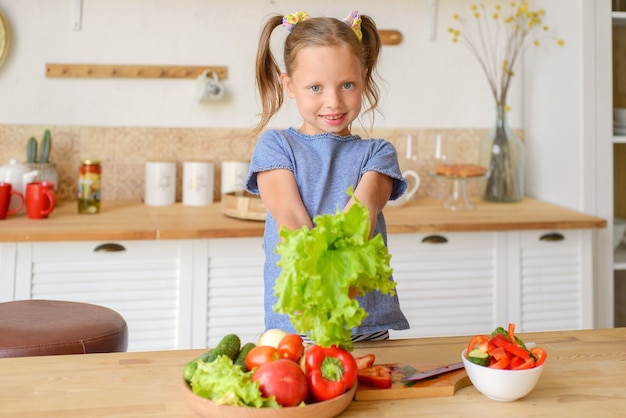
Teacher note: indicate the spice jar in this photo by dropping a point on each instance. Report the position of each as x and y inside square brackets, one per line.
[89, 186]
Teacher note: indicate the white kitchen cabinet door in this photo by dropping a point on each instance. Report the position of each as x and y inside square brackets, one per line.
[450, 287]
[234, 299]
[550, 280]
[7, 271]
[148, 283]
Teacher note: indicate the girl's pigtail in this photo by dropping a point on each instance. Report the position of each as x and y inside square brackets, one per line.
[371, 47]
[268, 76]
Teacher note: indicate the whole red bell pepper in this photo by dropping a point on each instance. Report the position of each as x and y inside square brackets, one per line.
[331, 371]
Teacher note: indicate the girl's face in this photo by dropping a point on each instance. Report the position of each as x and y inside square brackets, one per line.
[327, 83]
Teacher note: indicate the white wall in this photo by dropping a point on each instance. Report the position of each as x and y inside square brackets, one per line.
[558, 105]
[429, 83]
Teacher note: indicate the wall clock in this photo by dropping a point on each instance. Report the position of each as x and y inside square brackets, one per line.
[4, 38]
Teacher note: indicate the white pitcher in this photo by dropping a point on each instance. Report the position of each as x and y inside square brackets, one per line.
[414, 183]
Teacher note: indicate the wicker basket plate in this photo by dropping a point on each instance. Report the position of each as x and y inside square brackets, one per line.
[243, 205]
[328, 409]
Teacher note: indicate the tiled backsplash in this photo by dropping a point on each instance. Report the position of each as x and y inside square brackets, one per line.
[123, 152]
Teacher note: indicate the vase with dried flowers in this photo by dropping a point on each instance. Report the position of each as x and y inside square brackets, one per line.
[496, 39]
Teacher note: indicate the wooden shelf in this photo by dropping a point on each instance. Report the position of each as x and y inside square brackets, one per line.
[130, 71]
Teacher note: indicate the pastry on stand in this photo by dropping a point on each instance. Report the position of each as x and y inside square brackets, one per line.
[458, 175]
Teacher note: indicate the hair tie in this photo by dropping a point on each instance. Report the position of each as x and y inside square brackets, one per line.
[292, 19]
[354, 21]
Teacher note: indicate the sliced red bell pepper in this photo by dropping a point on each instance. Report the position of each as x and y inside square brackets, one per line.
[518, 363]
[539, 354]
[500, 340]
[479, 341]
[363, 362]
[331, 371]
[378, 376]
[511, 331]
[500, 357]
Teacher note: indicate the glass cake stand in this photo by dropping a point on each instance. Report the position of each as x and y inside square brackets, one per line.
[457, 200]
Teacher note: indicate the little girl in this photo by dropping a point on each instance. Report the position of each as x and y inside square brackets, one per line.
[306, 171]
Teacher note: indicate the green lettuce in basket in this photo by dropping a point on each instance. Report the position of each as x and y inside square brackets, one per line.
[319, 266]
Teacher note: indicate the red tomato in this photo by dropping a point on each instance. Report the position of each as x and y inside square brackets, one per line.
[291, 347]
[260, 355]
[283, 379]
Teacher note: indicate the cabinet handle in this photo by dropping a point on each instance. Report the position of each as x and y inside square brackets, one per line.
[552, 236]
[435, 239]
[109, 247]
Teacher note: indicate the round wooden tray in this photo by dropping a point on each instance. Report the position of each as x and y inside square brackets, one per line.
[328, 409]
[243, 205]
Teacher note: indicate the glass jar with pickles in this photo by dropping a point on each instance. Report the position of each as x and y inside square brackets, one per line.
[89, 186]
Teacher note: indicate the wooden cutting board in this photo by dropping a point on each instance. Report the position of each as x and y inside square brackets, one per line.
[437, 386]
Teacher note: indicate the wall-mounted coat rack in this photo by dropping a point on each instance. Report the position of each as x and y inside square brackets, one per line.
[131, 71]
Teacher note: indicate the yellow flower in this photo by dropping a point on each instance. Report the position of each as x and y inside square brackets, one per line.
[499, 36]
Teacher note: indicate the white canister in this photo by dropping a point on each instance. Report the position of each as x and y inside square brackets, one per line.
[197, 183]
[160, 184]
[234, 175]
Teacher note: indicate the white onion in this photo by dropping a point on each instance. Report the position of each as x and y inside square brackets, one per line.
[271, 337]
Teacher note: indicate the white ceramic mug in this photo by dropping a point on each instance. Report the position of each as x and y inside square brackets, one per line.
[209, 87]
[413, 179]
[197, 183]
[160, 184]
[234, 174]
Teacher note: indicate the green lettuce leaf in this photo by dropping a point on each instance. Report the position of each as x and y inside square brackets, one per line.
[226, 384]
[320, 265]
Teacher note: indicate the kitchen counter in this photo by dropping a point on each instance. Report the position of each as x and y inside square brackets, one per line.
[583, 376]
[136, 221]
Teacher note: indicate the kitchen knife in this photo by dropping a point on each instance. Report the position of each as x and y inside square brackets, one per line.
[434, 372]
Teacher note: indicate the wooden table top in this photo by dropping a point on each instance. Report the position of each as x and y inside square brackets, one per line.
[136, 221]
[585, 375]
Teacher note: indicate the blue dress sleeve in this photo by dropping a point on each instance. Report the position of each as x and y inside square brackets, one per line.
[271, 152]
[385, 161]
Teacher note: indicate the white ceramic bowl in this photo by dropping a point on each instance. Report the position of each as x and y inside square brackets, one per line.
[619, 228]
[502, 385]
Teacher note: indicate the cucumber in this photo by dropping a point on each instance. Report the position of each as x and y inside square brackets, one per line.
[241, 358]
[479, 357]
[228, 346]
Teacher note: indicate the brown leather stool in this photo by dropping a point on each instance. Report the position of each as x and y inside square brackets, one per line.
[51, 327]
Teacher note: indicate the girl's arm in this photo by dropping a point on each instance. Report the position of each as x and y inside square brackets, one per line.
[279, 192]
[373, 191]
